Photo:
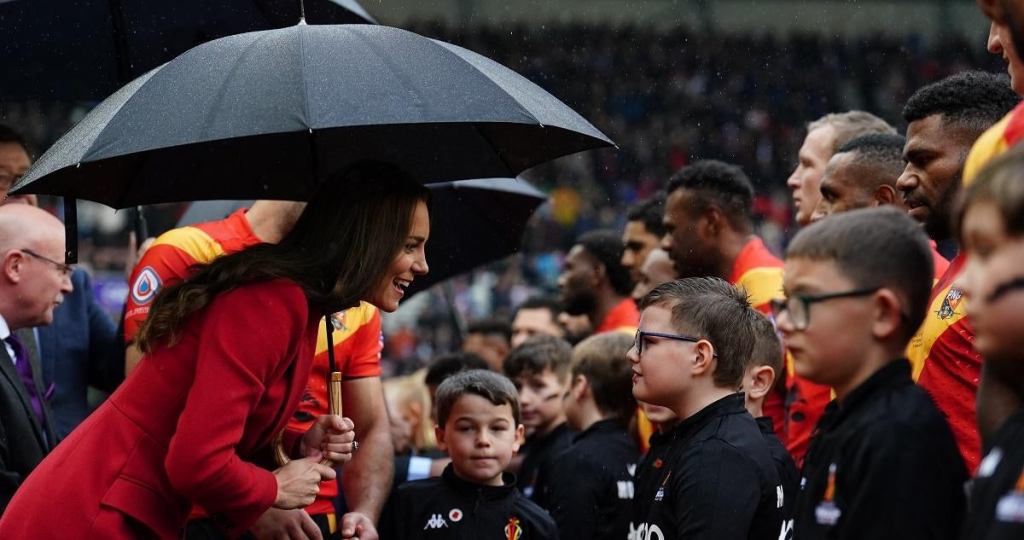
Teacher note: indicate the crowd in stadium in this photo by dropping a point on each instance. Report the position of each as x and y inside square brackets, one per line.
[788, 305]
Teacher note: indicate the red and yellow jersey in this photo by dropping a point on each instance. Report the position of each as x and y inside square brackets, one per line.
[945, 363]
[624, 317]
[796, 413]
[939, 263]
[357, 335]
[997, 139]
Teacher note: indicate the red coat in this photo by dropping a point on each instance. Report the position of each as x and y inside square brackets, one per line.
[185, 428]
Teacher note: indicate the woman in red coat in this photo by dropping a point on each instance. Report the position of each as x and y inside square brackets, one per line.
[228, 356]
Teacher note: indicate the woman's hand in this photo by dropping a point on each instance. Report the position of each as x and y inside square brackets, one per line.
[331, 437]
[299, 482]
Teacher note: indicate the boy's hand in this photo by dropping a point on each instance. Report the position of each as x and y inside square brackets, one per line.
[356, 525]
[332, 437]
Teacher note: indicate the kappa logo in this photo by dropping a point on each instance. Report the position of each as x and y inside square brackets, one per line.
[146, 285]
[780, 497]
[989, 464]
[950, 303]
[436, 521]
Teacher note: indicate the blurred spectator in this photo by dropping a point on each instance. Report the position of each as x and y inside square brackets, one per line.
[489, 339]
[536, 316]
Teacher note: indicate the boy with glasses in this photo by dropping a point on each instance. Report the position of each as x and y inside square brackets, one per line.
[717, 479]
[883, 462]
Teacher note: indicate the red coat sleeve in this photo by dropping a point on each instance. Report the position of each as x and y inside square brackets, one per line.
[247, 337]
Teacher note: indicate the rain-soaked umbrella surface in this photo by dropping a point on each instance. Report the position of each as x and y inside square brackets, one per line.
[472, 223]
[271, 114]
[87, 49]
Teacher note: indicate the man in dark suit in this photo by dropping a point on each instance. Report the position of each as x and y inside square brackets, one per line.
[33, 282]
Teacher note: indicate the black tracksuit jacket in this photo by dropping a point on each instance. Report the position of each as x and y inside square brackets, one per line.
[450, 508]
[882, 464]
[588, 489]
[716, 481]
[997, 491]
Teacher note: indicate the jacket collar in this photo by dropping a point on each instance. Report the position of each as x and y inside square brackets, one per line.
[472, 489]
[731, 404]
[893, 374]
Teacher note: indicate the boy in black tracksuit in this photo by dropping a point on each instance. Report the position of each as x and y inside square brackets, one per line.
[883, 462]
[762, 370]
[717, 479]
[588, 489]
[478, 425]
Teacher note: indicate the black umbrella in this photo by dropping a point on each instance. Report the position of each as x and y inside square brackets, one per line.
[87, 49]
[472, 222]
[271, 114]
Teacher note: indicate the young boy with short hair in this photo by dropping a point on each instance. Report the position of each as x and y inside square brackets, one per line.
[588, 489]
[539, 368]
[478, 425]
[718, 479]
[762, 370]
[883, 462]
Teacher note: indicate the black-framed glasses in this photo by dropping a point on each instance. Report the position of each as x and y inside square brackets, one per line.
[1005, 288]
[65, 269]
[799, 306]
[638, 339]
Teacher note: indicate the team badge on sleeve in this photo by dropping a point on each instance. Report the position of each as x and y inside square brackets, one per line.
[145, 287]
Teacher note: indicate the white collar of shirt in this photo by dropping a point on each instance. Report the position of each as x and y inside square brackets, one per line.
[5, 332]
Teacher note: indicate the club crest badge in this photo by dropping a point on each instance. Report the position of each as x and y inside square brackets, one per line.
[145, 287]
[827, 513]
[950, 303]
[513, 529]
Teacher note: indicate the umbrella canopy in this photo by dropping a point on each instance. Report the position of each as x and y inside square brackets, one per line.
[87, 49]
[472, 222]
[270, 115]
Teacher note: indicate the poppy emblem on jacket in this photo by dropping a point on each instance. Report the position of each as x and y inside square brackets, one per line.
[513, 530]
[145, 286]
[658, 463]
[455, 515]
[950, 303]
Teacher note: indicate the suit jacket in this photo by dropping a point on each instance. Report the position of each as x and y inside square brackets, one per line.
[190, 426]
[78, 350]
[23, 442]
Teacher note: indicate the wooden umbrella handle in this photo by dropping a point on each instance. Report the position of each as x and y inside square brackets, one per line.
[333, 404]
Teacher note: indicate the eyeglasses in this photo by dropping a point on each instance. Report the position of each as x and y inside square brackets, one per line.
[65, 269]
[638, 339]
[799, 306]
[1005, 288]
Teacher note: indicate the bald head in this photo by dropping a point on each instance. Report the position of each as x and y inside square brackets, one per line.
[33, 280]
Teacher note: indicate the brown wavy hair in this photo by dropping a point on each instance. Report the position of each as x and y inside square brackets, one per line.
[338, 251]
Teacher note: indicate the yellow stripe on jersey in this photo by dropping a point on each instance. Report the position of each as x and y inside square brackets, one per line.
[194, 242]
[351, 320]
[990, 145]
[762, 284]
[944, 311]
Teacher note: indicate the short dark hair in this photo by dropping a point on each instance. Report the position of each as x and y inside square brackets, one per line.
[710, 308]
[970, 99]
[447, 365]
[537, 354]
[720, 184]
[882, 152]
[492, 326]
[542, 302]
[606, 246]
[1000, 182]
[602, 360]
[874, 247]
[651, 213]
[478, 382]
[767, 345]
[10, 135]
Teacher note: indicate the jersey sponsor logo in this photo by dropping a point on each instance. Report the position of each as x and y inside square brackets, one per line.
[950, 303]
[146, 285]
[625, 489]
[455, 515]
[436, 521]
[513, 529]
[646, 531]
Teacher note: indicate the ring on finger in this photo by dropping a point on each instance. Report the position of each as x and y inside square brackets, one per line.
[355, 445]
